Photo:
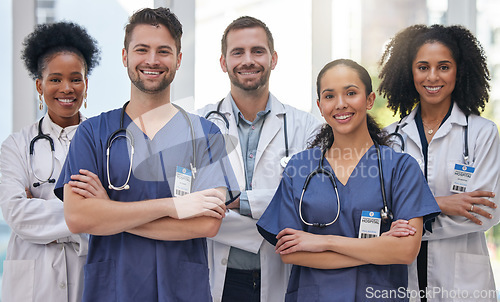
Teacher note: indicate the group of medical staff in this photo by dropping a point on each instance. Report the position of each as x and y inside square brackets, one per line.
[295, 209]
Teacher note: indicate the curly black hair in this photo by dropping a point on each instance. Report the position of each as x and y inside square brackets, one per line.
[471, 91]
[49, 39]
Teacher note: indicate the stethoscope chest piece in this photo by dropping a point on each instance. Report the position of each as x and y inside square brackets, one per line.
[284, 161]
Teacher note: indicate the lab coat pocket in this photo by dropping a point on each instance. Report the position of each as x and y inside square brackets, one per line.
[303, 294]
[100, 281]
[472, 272]
[18, 281]
[191, 283]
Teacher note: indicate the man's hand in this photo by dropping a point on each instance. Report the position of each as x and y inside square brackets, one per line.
[88, 185]
[208, 202]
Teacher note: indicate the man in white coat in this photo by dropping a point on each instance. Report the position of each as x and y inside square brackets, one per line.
[243, 266]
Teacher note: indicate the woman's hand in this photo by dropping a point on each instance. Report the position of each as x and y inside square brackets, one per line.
[400, 228]
[88, 185]
[291, 241]
[464, 204]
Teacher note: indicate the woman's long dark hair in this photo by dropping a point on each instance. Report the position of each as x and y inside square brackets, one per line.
[471, 91]
[325, 137]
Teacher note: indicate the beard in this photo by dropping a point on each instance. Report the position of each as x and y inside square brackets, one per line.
[151, 88]
[250, 86]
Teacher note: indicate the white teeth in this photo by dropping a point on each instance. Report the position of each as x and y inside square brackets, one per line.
[247, 73]
[343, 117]
[66, 100]
[152, 72]
[433, 89]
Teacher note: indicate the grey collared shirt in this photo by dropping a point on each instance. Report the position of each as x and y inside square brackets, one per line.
[249, 136]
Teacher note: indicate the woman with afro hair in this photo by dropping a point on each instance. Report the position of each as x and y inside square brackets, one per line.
[436, 77]
[44, 259]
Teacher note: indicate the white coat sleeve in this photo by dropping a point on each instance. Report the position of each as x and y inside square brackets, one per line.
[36, 220]
[304, 133]
[486, 177]
[239, 231]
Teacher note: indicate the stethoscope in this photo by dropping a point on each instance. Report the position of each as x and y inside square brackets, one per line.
[385, 212]
[284, 160]
[399, 136]
[40, 136]
[127, 134]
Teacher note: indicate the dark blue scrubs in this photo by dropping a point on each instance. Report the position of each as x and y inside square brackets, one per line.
[408, 196]
[126, 267]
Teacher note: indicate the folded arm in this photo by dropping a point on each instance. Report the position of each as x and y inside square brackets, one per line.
[194, 215]
[331, 252]
[34, 218]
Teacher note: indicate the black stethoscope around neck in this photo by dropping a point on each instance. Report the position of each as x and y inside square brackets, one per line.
[41, 136]
[284, 160]
[127, 134]
[385, 212]
[401, 139]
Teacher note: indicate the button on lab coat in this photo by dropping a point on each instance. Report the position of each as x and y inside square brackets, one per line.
[44, 259]
[241, 231]
[458, 259]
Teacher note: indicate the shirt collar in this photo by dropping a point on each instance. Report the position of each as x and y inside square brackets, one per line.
[61, 132]
[456, 116]
[239, 116]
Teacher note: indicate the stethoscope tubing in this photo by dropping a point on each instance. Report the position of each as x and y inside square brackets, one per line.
[466, 138]
[284, 160]
[385, 212]
[40, 136]
[130, 137]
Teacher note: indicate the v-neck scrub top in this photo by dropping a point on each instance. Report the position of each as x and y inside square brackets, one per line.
[408, 196]
[126, 267]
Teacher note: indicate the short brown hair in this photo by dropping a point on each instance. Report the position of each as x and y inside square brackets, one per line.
[155, 16]
[246, 22]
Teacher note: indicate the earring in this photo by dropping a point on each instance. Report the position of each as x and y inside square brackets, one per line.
[40, 105]
[85, 100]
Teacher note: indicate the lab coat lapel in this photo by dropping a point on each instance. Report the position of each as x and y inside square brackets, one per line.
[411, 129]
[271, 127]
[456, 117]
[233, 144]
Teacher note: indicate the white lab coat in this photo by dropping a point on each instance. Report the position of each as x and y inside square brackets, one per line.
[241, 231]
[44, 259]
[458, 259]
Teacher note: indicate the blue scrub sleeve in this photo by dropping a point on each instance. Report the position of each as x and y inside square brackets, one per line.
[81, 155]
[214, 167]
[411, 195]
[281, 212]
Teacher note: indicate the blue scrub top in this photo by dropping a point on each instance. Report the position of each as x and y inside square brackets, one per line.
[126, 267]
[408, 196]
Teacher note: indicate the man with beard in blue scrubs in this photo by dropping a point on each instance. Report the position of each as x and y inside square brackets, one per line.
[166, 175]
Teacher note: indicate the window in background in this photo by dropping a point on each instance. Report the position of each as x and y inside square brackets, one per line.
[6, 102]
[290, 24]
[108, 85]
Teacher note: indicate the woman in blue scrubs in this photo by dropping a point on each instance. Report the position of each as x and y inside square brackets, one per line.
[332, 236]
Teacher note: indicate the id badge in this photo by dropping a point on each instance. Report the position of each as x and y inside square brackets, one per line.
[370, 224]
[461, 176]
[183, 179]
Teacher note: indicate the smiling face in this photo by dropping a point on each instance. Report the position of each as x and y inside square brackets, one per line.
[63, 86]
[248, 60]
[152, 59]
[343, 101]
[434, 74]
